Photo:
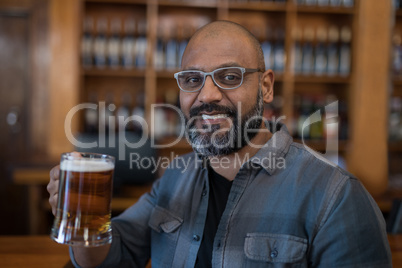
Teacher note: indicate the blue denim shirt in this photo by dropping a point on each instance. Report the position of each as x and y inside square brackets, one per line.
[303, 213]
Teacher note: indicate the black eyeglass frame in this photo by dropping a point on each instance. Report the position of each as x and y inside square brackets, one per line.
[205, 74]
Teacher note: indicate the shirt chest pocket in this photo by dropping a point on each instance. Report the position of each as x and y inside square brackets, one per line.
[166, 229]
[275, 250]
[163, 220]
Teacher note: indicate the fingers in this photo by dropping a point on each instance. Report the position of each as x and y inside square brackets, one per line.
[55, 172]
[53, 187]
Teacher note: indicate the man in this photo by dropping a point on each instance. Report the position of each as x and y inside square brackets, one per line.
[249, 196]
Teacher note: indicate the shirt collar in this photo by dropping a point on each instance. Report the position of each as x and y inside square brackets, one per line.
[271, 155]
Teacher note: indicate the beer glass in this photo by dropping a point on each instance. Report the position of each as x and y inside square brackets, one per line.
[83, 207]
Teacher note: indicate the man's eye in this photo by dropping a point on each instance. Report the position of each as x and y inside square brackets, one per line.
[230, 77]
[192, 79]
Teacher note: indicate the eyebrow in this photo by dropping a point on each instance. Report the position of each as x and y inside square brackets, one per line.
[226, 64]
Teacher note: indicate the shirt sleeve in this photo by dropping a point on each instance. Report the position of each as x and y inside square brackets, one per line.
[352, 231]
[131, 234]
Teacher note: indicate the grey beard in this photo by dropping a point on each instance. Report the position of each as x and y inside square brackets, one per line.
[215, 142]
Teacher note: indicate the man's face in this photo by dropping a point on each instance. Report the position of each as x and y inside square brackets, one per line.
[217, 117]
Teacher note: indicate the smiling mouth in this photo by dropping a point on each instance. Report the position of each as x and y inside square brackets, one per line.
[214, 116]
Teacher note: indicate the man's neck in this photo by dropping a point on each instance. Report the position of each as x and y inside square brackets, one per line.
[229, 165]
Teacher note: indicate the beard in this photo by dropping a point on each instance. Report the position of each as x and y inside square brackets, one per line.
[212, 140]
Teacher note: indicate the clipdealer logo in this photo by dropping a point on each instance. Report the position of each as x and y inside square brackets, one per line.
[330, 123]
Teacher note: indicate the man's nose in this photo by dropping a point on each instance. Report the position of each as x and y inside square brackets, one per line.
[209, 92]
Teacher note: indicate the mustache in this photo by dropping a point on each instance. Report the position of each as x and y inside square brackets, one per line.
[212, 107]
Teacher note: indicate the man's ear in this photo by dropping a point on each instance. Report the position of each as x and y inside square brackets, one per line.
[267, 86]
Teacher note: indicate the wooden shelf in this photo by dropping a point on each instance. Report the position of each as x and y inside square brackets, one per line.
[259, 6]
[194, 3]
[118, 72]
[166, 73]
[142, 2]
[323, 79]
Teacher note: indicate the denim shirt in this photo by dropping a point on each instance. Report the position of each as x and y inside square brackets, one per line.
[287, 208]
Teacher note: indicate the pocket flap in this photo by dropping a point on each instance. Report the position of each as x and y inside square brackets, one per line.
[162, 220]
[275, 247]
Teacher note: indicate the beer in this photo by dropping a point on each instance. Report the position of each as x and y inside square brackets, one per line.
[83, 210]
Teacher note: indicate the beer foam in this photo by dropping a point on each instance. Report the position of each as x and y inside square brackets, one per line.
[84, 165]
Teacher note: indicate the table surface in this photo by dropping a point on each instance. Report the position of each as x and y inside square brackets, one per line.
[32, 251]
[41, 251]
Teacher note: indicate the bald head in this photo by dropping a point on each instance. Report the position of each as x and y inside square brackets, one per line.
[219, 29]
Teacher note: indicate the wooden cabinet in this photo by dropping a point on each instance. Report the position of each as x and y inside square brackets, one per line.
[274, 23]
[365, 25]
[395, 102]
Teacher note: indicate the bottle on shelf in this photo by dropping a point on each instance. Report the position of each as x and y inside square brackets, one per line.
[320, 52]
[184, 35]
[310, 2]
[159, 52]
[395, 119]
[396, 4]
[332, 119]
[159, 121]
[128, 45]
[345, 51]
[297, 50]
[344, 124]
[347, 3]
[323, 2]
[266, 46]
[123, 111]
[91, 115]
[306, 109]
[294, 119]
[308, 52]
[114, 44]
[279, 50]
[100, 43]
[110, 108]
[171, 48]
[138, 110]
[87, 41]
[333, 54]
[173, 124]
[141, 45]
[335, 3]
[397, 54]
[317, 128]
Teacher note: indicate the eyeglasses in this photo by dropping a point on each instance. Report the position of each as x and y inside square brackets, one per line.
[224, 78]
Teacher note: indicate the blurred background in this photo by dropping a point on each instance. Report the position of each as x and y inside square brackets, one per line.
[120, 55]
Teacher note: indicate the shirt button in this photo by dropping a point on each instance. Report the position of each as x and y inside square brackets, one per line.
[196, 238]
[204, 193]
[274, 253]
